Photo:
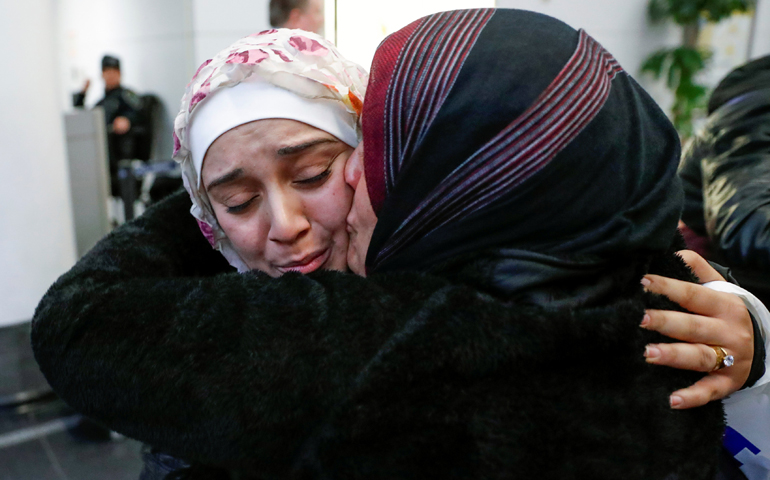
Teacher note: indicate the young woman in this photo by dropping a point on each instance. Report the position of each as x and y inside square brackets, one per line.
[474, 369]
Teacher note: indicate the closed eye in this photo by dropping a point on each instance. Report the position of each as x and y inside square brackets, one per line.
[316, 179]
[241, 207]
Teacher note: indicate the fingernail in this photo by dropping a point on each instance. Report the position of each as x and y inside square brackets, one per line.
[651, 353]
[675, 401]
[646, 281]
[645, 320]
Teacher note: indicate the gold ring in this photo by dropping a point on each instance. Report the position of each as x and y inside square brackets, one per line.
[723, 359]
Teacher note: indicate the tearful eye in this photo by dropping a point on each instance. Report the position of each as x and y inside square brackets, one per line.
[241, 207]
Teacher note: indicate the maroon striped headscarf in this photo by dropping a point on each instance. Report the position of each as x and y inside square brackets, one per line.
[507, 129]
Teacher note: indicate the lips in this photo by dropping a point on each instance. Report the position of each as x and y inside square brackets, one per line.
[309, 263]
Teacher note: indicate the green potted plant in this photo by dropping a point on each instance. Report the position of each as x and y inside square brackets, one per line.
[680, 65]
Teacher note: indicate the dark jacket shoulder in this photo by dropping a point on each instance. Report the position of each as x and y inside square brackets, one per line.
[726, 177]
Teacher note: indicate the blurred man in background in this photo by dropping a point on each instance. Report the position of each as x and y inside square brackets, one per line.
[726, 175]
[122, 115]
[304, 14]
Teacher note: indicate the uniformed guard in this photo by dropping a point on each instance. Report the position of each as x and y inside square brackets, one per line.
[122, 115]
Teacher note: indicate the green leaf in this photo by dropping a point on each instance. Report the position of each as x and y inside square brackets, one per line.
[690, 60]
[674, 74]
[656, 62]
[685, 11]
[717, 10]
[690, 92]
[681, 65]
[658, 10]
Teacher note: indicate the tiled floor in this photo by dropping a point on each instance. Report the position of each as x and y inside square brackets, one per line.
[39, 439]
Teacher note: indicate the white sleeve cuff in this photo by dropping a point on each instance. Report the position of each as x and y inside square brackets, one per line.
[760, 313]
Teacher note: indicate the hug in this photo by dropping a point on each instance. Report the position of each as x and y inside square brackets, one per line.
[434, 271]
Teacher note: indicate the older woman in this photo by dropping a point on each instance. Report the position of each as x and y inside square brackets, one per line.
[474, 370]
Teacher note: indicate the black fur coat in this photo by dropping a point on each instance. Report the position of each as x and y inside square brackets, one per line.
[332, 376]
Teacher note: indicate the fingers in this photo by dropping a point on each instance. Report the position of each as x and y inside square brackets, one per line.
[698, 299]
[687, 356]
[702, 358]
[717, 319]
[702, 269]
[684, 326]
[711, 387]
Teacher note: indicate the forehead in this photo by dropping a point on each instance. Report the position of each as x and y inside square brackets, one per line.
[261, 145]
[266, 135]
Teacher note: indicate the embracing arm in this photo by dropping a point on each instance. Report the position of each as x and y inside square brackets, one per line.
[209, 368]
[228, 370]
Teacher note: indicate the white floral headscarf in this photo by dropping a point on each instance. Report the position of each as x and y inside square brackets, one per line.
[298, 61]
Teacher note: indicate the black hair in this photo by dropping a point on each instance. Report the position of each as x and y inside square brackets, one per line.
[281, 9]
[108, 61]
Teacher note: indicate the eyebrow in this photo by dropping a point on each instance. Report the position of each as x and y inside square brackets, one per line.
[227, 177]
[292, 149]
[284, 151]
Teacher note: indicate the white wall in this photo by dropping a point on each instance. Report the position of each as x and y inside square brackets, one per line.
[363, 24]
[218, 23]
[160, 43]
[152, 38]
[36, 236]
[761, 45]
[728, 41]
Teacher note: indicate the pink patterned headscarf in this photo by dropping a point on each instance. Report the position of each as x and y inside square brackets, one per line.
[295, 60]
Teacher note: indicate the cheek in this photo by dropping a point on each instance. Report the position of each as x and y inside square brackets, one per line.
[330, 205]
[246, 234]
[363, 214]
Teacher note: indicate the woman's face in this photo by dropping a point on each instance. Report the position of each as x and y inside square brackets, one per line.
[278, 191]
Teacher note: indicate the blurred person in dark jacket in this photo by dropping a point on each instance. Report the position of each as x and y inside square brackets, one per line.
[122, 116]
[726, 176]
[303, 14]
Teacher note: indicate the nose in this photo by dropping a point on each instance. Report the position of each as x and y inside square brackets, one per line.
[288, 222]
[355, 166]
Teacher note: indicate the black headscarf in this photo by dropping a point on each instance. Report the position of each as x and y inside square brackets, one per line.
[497, 128]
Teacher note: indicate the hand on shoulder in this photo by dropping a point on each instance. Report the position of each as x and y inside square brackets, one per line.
[718, 320]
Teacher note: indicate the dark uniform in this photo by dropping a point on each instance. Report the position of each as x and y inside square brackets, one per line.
[118, 102]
